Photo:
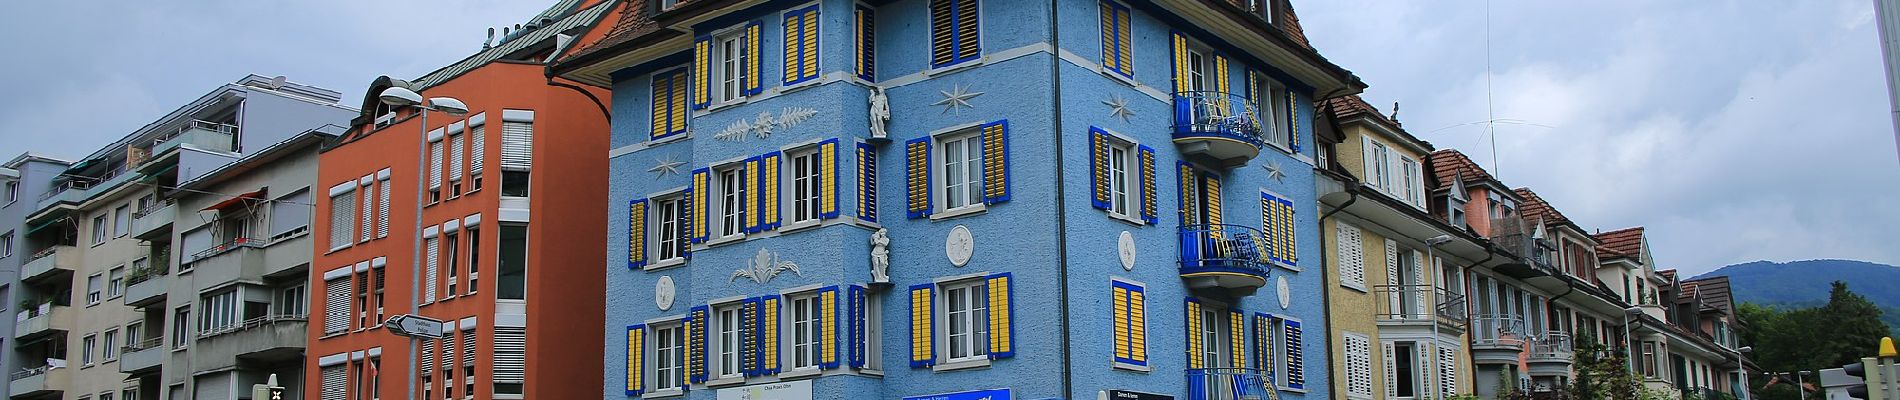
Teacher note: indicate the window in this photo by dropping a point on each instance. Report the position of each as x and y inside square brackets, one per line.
[806, 186]
[512, 283]
[1456, 210]
[181, 326]
[342, 215]
[807, 332]
[1378, 168]
[865, 37]
[669, 357]
[1649, 359]
[376, 291]
[435, 166]
[729, 72]
[290, 300]
[129, 394]
[1119, 158]
[452, 257]
[1405, 370]
[1502, 207]
[1358, 366]
[1214, 337]
[6, 244]
[1130, 310]
[730, 192]
[726, 343]
[1279, 225]
[382, 206]
[517, 152]
[670, 239]
[12, 191]
[456, 147]
[94, 284]
[1413, 185]
[119, 216]
[115, 282]
[1352, 256]
[966, 323]
[962, 170]
[109, 351]
[954, 36]
[669, 104]
[106, 395]
[86, 346]
[668, 4]
[1272, 112]
[134, 333]
[1117, 51]
[336, 303]
[474, 258]
[220, 312]
[801, 45]
[98, 229]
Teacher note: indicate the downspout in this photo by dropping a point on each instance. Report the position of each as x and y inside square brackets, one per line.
[1470, 339]
[1062, 215]
[1325, 273]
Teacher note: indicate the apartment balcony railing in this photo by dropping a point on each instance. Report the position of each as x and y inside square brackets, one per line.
[268, 339]
[200, 134]
[1419, 304]
[1497, 338]
[146, 286]
[1551, 354]
[1227, 257]
[1229, 384]
[45, 380]
[50, 262]
[71, 191]
[154, 219]
[146, 355]
[41, 320]
[228, 245]
[1222, 128]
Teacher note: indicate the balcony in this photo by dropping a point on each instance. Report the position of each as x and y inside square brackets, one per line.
[145, 287]
[50, 262]
[68, 192]
[1229, 384]
[267, 339]
[1217, 128]
[1497, 339]
[1420, 305]
[202, 135]
[43, 320]
[1551, 355]
[151, 222]
[39, 381]
[1230, 259]
[146, 356]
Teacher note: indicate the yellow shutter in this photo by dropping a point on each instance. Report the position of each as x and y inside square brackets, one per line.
[996, 162]
[792, 52]
[1119, 298]
[636, 382]
[769, 192]
[1196, 350]
[1002, 337]
[1138, 325]
[1212, 183]
[967, 46]
[1150, 211]
[660, 89]
[942, 45]
[1220, 74]
[1110, 58]
[1179, 45]
[1237, 338]
[753, 73]
[676, 106]
[700, 188]
[1122, 32]
[702, 71]
[1098, 168]
[827, 324]
[917, 177]
[769, 313]
[751, 199]
[828, 178]
[808, 58]
[636, 233]
[922, 340]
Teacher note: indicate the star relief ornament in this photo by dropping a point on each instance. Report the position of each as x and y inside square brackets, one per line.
[666, 165]
[956, 99]
[1118, 107]
[1274, 171]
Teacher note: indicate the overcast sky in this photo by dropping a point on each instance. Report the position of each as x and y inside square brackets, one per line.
[1735, 130]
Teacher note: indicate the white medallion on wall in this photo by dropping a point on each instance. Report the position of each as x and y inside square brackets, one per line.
[1125, 247]
[959, 245]
[1286, 296]
[663, 293]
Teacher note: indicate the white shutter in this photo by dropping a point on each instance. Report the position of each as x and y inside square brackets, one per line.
[1391, 262]
[1369, 162]
[1358, 366]
[476, 136]
[511, 353]
[435, 164]
[468, 347]
[517, 145]
[369, 203]
[1352, 258]
[427, 366]
[1427, 308]
[336, 305]
[431, 247]
[448, 349]
[342, 218]
[455, 157]
[336, 382]
[382, 208]
[1390, 354]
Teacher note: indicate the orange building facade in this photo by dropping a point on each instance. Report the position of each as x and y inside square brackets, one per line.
[503, 190]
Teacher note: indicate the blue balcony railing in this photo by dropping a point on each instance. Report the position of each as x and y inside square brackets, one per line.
[1223, 248]
[1229, 384]
[1218, 115]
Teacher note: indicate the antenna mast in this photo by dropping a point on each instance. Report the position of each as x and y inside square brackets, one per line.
[1490, 111]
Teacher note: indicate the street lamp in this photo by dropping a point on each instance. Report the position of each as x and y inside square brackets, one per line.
[1431, 261]
[1741, 374]
[1629, 346]
[401, 97]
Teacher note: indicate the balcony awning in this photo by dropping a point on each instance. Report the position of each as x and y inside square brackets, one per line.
[49, 222]
[235, 200]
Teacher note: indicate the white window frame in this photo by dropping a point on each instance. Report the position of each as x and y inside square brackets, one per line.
[86, 345]
[661, 370]
[970, 140]
[181, 327]
[115, 282]
[451, 261]
[727, 338]
[728, 87]
[972, 311]
[1271, 119]
[121, 220]
[99, 229]
[667, 232]
[1200, 65]
[6, 244]
[1216, 332]
[108, 352]
[12, 191]
[1124, 185]
[807, 191]
[721, 211]
[95, 289]
[808, 325]
[1413, 189]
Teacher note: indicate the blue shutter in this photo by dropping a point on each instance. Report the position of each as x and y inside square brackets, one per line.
[702, 72]
[768, 334]
[828, 178]
[750, 81]
[749, 205]
[696, 350]
[1195, 348]
[1128, 303]
[1002, 340]
[1150, 208]
[857, 321]
[749, 357]
[828, 325]
[636, 233]
[1099, 181]
[866, 41]
[995, 161]
[768, 191]
[867, 182]
[801, 45]
[1295, 357]
[700, 188]
[917, 177]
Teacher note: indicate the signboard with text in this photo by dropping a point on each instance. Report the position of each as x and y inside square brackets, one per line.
[788, 390]
[1132, 395]
[988, 394]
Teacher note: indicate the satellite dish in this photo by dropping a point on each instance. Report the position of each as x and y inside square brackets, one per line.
[278, 82]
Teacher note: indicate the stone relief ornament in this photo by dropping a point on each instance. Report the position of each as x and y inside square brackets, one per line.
[763, 267]
[1274, 171]
[959, 246]
[956, 99]
[1118, 107]
[663, 293]
[763, 125]
[880, 112]
[666, 165]
[881, 256]
[1286, 296]
[1126, 249]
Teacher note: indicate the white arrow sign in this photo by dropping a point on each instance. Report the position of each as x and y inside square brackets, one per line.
[415, 326]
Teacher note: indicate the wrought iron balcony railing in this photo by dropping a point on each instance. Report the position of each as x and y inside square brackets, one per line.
[1229, 384]
[1498, 330]
[1419, 303]
[1220, 126]
[1223, 248]
[1552, 346]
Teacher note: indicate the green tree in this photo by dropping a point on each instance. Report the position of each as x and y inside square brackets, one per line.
[1810, 338]
[1854, 326]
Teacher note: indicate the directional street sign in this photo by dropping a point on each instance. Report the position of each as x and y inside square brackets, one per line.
[415, 326]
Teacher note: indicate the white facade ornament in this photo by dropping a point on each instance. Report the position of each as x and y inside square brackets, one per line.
[663, 293]
[763, 125]
[1286, 296]
[1126, 249]
[959, 246]
[881, 256]
[1118, 107]
[763, 267]
[666, 165]
[880, 112]
[956, 100]
[1274, 171]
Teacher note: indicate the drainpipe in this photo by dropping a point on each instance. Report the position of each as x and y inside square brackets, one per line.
[1471, 339]
[1062, 215]
[1326, 307]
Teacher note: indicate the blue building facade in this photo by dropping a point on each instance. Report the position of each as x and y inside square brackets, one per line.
[1068, 197]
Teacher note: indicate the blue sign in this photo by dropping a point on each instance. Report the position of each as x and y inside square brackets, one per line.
[989, 394]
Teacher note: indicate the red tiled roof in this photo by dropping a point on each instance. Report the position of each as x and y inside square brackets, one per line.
[630, 21]
[1290, 23]
[1450, 163]
[1626, 242]
[1535, 208]
[1345, 107]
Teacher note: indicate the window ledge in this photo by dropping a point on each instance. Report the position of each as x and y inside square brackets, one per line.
[662, 264]
[727, 381]
[1111, 73]
[1132, 367]
[801, 373]
[799, 226]
[977, 208]
[808, 82]
[1133, 220]
[660, 394]
[724, 240]
[961, 365]
[933, 71]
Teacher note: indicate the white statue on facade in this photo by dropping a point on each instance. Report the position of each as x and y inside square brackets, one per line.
[881, 255]
[880, 112]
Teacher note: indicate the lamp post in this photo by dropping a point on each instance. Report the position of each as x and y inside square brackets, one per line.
[1741, 373]
[1431, 261]
[1629, 345]
[400, 97]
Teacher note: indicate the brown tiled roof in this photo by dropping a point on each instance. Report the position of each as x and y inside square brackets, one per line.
[630, 21]
[1345, 107]
[1449, 163]
[1714, 291]
[1626, 242]
[1535, 208]
[1290, 23]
